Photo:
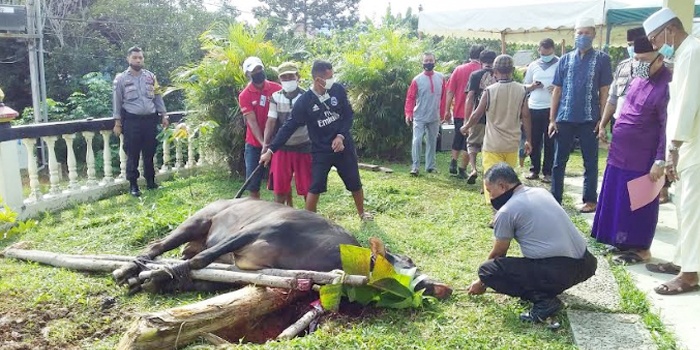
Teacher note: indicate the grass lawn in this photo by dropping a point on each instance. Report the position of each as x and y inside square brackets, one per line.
[439, 221]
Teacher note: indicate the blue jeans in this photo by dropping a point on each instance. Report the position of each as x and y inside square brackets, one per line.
[420, 129]
[563, 145]
[252, 158]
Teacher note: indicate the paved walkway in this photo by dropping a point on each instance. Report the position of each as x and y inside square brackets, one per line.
[680, 314]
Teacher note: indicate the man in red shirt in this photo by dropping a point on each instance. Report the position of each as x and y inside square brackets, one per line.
[456, 88]
[254, 102]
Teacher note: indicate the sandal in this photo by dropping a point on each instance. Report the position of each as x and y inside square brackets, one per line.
[628, 258]
[668, 268]
[683, 287]
[472, 178]
[612, 250]
[366, 216]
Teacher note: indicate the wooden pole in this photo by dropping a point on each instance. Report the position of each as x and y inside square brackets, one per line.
[503, 43]
[301, 324]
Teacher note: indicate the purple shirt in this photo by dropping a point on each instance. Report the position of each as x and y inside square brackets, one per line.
[639, 134]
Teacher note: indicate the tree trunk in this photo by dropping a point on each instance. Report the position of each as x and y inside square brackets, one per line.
[179, 326]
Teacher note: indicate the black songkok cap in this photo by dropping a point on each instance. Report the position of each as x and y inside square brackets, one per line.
[642, 45]
[634, 33]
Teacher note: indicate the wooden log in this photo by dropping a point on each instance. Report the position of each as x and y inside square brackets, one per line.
[301, 324]
[373, 167]
[114, 263]
[176, 327]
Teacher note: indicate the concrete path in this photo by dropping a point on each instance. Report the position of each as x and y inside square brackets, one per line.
[680, 314]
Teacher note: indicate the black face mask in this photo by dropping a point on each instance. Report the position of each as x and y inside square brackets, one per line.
[501, 200]
[259, 77]
[428, 66]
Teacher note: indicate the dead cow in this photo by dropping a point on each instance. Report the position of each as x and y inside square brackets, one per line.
[254, 235]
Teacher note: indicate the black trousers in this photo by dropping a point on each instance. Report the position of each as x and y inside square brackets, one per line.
[140, 138]
[536, 279]
[540, 140]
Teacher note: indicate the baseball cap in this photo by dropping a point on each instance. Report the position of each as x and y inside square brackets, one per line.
[658, 19]
[287, 68]
[250, 63]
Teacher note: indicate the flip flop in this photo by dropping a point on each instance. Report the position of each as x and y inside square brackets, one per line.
[612, 250]
[366, 216]
[472, 179]
[668, 268]
[664, 288]
[628, 258]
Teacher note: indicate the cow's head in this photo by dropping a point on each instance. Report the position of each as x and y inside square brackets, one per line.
[404, 263]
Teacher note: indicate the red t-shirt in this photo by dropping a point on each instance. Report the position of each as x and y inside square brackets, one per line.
[257, 101]
[458, 84]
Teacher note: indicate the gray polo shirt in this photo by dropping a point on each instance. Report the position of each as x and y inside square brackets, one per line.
[539, 224]
[136, 93]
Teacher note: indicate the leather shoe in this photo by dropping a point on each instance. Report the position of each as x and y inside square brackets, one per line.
[134, 190]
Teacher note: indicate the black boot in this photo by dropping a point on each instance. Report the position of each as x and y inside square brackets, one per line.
[453, 166]
[152, 185]
[134, 189]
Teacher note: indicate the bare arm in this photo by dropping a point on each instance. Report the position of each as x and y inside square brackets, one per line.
[448, 104]
[500, 248]
[269, 130]
[527, 122]
[603, 95]
[554, 109]
[254, 127]
[478, 112]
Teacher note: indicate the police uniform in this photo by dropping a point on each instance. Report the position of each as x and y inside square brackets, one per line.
[138, 104]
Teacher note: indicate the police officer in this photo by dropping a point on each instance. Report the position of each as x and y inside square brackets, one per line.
[137, 109]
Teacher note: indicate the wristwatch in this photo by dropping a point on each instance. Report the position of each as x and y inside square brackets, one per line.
[660, 163]
[672, 148]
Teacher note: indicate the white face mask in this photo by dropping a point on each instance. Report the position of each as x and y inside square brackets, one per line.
[289, 86]
[329, 83]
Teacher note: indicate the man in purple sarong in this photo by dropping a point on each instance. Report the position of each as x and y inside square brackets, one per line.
[637, 149]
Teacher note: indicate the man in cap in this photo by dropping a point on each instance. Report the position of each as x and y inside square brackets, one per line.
[138, 108]
[667, 34]
[326, 111]
[254, 102]
[294, 158]
[581, 85]
[505, 106]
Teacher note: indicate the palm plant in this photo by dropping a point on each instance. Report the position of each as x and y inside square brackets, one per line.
[212, 86]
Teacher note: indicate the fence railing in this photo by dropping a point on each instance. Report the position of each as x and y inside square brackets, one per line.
[82, 183]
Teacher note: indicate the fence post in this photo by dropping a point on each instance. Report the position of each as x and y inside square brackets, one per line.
[10, 178]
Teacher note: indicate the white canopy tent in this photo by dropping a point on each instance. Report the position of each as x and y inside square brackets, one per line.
[530, 23]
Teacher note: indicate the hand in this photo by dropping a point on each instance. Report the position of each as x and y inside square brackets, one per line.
[602, 135]
[656, 173]
[164, 121]
[338, 145]
[264, 148]
[117, 128]
[447, 117]
[528, 148]
[409, 120]
[266, 157]
[464, 130]
[671, 161]
[477, 288]
[552, 129]
[550, 88]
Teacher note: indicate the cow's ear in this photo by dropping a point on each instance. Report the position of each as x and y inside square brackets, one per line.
[377, 246]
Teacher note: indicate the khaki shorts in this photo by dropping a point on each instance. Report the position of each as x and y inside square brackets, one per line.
[476, 138]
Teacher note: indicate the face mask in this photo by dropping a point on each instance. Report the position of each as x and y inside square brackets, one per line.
[329, 83]
[667, 50]
[630, 51]
[501, 200]
[289, 86]
[547, 59]
[583, 42]
[428, 66]
[258, 77]
[642, 70]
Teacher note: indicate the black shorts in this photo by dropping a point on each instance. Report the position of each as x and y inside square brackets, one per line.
[346, 164]
[459, 141]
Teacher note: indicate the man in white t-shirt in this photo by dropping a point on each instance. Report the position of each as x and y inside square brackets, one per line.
[539, 76]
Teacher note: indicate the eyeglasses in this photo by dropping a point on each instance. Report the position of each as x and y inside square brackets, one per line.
[652, 37]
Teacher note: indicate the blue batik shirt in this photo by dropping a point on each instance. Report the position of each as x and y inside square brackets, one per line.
[580, 79]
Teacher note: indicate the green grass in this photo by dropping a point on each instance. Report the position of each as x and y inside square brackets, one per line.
[440, 222]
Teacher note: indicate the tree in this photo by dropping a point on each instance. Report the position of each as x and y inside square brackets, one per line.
[309, 14]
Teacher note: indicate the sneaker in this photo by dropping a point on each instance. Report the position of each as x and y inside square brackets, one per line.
[462, 173]
[430, 171]
[134, 190]
[152, 186]
[414, 172]
[542, 310]
[453, 166]
[532, 176]
[547, 179]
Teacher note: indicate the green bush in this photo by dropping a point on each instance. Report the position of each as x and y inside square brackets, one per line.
[212, 86]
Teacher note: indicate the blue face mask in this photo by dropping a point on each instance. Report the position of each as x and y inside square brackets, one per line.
[547, 59]
[583, 42]
[630, 51]
[667, 50]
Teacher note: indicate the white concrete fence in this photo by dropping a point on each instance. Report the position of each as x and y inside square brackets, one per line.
[80, 186]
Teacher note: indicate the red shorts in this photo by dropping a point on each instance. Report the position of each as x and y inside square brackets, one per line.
[284, 164]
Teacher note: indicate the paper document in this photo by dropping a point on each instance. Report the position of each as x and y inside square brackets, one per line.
[643, 191]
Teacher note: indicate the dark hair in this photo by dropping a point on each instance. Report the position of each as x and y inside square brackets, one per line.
[547, 43]
[319, 67]
[428, 53]
[501, 172]
[133, 49]
[475, 51]
[487, 56]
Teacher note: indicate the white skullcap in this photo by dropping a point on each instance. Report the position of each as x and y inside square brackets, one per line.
[658, 19]
[585, 22]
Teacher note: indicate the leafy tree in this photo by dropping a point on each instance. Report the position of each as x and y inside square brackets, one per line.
[212, 86]
[309, 14]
